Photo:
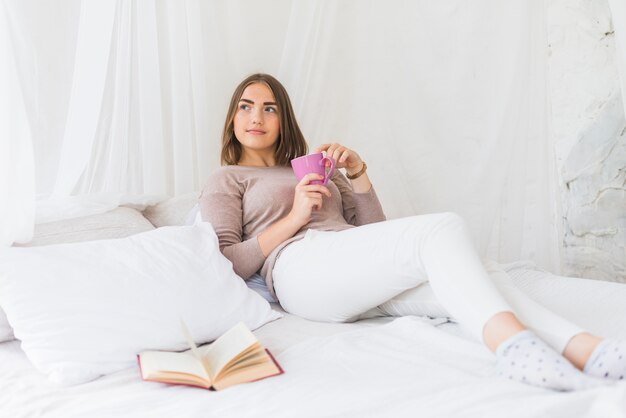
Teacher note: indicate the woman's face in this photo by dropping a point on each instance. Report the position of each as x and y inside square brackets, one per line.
[256, 122]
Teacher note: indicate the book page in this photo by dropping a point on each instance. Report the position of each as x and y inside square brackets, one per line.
[153, 362]
[189, 339]
[228, 346]
[253, 358]
[235, 376]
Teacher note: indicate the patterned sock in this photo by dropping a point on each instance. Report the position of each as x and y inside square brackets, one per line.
[526, 358]
[608, 360]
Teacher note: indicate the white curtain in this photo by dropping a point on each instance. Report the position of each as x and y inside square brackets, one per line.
[87, 91]
[445, 100]
[17, 175]
[447, 103]
[148, 92]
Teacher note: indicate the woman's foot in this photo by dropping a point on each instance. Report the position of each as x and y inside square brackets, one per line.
[526, 358]
[608, 360]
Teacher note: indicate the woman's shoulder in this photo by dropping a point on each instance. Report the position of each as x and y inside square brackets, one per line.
[224, 179]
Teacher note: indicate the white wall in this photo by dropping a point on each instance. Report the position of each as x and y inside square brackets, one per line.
[588, 130]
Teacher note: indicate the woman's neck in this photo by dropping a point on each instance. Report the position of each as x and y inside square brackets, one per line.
[257, 161]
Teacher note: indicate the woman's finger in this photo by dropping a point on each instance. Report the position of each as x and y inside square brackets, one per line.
[337, 153]
[318, 203]
[313, 195]
[322, 147]
[317, 188]
[313, 198]
[308, 178]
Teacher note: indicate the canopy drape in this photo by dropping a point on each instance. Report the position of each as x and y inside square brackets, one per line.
[446, 100]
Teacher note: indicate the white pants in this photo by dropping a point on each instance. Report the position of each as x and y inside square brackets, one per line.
[393, 265]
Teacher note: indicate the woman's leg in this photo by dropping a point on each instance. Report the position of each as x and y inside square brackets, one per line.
[597, 357]
[558, 332]
[567, 338]
[335, 276]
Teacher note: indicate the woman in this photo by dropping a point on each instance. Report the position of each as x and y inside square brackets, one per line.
[329, 255]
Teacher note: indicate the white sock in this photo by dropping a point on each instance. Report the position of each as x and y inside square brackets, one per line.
[608, 360]
[526, 358]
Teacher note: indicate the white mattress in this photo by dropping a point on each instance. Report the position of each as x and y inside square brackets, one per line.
[382, 367]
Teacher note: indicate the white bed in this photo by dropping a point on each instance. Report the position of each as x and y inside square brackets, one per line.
[379, 367]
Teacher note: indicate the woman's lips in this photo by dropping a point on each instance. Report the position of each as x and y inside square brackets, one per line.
[255, 132]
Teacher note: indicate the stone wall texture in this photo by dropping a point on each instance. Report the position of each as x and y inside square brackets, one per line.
[588, 129]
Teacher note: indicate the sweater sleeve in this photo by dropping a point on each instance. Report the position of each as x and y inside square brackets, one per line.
[221, 205]
[358, 208]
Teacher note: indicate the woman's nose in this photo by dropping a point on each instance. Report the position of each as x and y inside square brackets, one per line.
[257, 117]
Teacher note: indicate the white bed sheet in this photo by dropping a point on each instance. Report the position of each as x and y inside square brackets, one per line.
[380, 367]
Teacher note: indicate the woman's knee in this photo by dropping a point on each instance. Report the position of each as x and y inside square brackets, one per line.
[448, 226]
[434, 223]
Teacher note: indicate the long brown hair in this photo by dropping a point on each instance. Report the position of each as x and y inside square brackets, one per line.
[290, 143]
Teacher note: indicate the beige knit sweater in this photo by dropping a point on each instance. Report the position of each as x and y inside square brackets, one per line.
[241, 202]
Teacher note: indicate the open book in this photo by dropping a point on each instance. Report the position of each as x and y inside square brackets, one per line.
[235, 357]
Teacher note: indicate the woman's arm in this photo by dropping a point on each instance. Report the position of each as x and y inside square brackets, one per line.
[360, 203]
[361, 184]
[307, 198]
[223, 209]
[221, 204]
[358, 208]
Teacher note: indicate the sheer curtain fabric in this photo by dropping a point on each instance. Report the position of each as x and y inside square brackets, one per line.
[446, 101]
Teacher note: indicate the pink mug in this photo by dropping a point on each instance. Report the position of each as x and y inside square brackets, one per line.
[313, 163]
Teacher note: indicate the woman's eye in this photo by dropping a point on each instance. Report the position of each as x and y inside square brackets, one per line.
[270, 109]
[244, 107]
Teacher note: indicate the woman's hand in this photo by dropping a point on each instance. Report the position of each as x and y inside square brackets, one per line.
[308, 197]
[344, 157]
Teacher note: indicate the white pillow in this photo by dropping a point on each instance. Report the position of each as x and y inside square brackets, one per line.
[256, 282]
[117, 223]
[83, 310]
[172, 211]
